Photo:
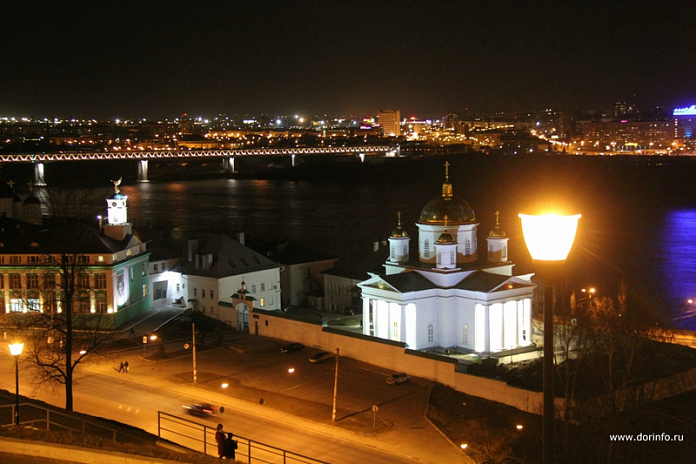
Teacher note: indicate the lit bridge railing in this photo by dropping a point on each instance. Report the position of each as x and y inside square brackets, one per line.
[163, 154]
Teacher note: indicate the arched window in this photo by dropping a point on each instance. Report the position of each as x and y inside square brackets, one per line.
[431, 333]
[426, 249]
[465, 334]
[467, 247]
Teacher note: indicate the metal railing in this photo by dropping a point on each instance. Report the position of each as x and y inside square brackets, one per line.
[48, 419]
[201, 438]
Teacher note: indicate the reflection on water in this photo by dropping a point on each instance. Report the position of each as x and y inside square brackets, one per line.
[677, 271]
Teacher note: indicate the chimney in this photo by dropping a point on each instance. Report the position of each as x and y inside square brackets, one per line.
[192, 247]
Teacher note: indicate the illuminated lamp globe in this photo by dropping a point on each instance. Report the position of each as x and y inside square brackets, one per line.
[16, 348]
[549, 237]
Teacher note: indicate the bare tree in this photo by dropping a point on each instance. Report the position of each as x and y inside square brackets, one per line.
[62, 328]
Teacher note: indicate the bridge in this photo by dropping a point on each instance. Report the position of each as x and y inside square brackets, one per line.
[227, 156]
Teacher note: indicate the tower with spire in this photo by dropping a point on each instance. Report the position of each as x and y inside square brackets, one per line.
[117, 226]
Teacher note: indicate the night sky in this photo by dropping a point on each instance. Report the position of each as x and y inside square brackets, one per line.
[159, 59]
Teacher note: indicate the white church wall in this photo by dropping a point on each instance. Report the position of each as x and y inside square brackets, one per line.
[446, 315]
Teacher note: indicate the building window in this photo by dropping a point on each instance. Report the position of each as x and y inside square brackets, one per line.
[100, 259]
[164, 267]
[270, 300]
[16, 305]
[467, 247]
[465, 334]
[144, 290]
[143, 269]
[203, 293]
[212, 295]
[100, 305]
[253, 289]
[33, 259]
[15, 282]
[49, 280]
[195, 293]
[130, 273]
[33, 281]
[154, 269]
[2, 281]
[263, 302]
[15, 260]
[431, 333]
[82, 259]
[83, 280]
[178, 288]
[100, 281]
[426, 249]
[263, 287]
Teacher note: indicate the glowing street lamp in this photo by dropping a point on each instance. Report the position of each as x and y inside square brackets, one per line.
[16, 350]
[549, 238]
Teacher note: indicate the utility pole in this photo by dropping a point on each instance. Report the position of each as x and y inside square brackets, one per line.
[193, 328]
[333, 412]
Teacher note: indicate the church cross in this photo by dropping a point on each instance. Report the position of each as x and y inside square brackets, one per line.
[11, 184]
[497, 217]
[447, 165]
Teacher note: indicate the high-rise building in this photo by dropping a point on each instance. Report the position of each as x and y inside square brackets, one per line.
[390, 121]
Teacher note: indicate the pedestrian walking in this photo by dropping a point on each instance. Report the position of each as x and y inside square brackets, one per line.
[121, 367]
[125, 367]
[230, 446]
[220, 440]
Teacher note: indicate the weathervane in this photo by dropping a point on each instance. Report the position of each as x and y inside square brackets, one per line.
[117, 183]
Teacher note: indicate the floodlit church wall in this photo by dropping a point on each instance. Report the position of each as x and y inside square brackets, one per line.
[464, 234]
[447, 321]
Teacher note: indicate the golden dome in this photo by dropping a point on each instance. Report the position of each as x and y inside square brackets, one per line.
[458, 211]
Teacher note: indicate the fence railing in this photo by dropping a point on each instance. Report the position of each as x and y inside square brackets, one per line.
[201, 438]
[43, 418]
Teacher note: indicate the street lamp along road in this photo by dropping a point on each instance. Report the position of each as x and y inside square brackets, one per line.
[549, 238]
[16, 350]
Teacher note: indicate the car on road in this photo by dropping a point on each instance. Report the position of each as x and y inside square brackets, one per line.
[202, 409]
[291, 347]
[398, 377]
[321, 356]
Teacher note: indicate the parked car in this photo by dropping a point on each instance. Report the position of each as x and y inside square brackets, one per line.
[202, 409]
[398, 377]
[291, 347]
[321, 356]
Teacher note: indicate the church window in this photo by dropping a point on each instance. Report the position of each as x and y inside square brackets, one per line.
[426, 249]
[465, 334]
[505, 256]
[253, 289]
[263, 287]
[431, 333]
[467, 247]
[395, 331]
[178, 288]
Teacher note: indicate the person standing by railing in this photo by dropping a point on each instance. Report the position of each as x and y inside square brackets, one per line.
[220, 440]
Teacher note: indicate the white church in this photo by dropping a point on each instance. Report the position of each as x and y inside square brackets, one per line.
[448, 297]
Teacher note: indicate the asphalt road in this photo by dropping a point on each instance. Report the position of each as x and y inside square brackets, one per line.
[151, 386]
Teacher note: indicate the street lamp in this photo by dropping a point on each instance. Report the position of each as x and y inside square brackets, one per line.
[549, 238]
[16, 350]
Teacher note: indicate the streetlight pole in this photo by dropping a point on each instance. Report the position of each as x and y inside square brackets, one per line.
[335, 392]
[16, 350]
[549, 238]
[193, 328]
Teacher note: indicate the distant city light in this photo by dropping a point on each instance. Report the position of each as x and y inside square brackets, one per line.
[689, 111]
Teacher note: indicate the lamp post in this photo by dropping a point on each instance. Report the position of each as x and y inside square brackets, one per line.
[549, 238]
[16, 350]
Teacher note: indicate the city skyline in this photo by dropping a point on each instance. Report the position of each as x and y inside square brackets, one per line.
[162, 59]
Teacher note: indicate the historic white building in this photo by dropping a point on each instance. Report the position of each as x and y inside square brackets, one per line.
[448, 297]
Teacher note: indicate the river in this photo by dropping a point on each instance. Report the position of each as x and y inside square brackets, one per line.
[638, 214]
